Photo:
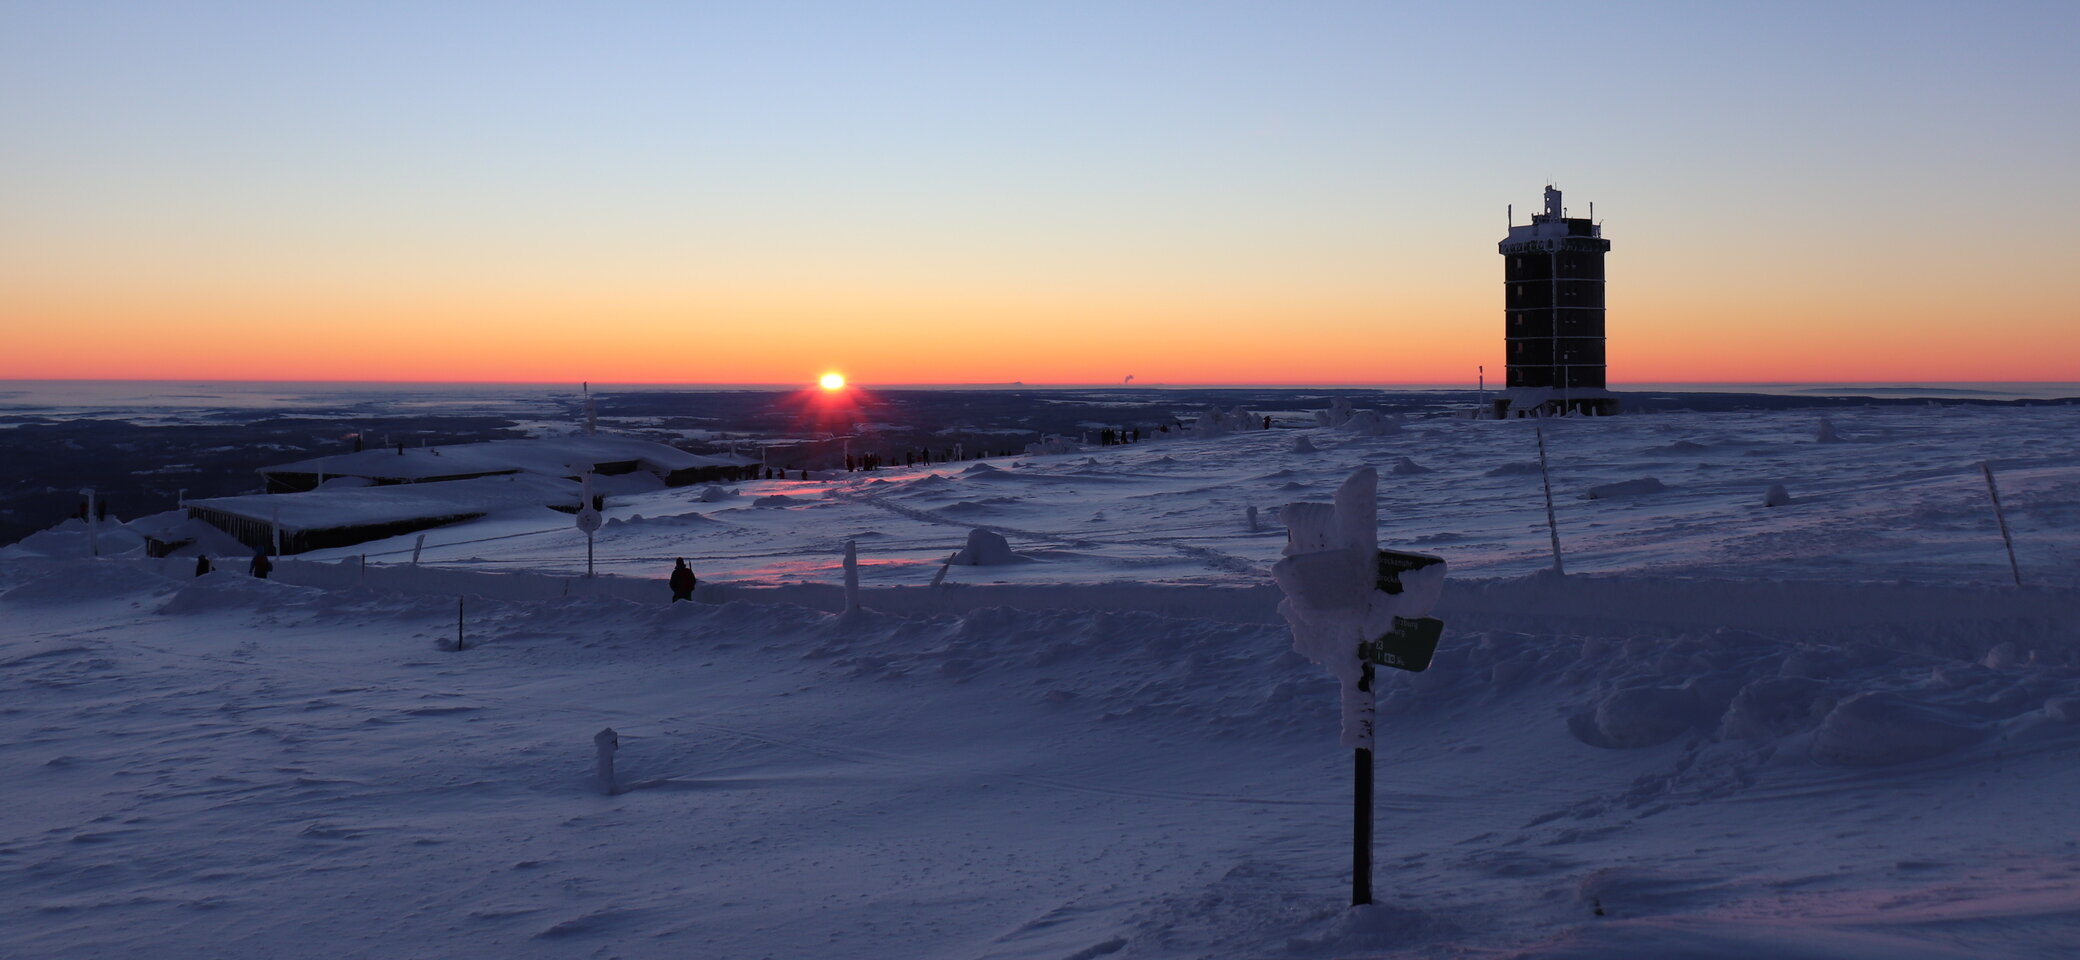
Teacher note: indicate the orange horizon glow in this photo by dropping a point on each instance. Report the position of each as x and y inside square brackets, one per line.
[1241, 331]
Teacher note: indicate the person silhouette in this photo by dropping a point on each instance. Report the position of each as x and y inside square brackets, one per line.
[261, 565]
[682, 580]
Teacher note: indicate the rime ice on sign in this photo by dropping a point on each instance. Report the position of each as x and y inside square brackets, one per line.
[1330, 576]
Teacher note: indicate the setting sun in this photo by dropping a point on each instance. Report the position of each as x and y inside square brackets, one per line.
[832, 381]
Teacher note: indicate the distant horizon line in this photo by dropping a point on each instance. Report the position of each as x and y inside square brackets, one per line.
[1064, 384]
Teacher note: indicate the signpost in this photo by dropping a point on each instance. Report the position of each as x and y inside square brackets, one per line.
[1352, 607]
[588, 519]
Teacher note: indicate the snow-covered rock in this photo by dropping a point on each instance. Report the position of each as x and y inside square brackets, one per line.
[986, 548]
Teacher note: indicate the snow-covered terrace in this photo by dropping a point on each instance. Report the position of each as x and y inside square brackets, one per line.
[552, 457]
[340, 516]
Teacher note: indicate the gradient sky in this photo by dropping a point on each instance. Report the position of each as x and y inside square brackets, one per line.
[1057, 192]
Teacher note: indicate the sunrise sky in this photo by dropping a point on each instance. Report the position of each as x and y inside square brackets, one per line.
[1061, 192]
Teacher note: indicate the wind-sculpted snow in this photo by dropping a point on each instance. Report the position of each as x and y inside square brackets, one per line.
[288, 743]
[1831, 728]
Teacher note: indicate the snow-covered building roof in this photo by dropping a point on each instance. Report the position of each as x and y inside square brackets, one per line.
[553, 457]
[338, 516]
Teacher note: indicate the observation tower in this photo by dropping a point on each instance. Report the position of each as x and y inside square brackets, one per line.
[1553, 308]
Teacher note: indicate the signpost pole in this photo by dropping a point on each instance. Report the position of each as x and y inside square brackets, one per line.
[2002, 519]
[1546, 478]
[1361, 818]
[588, 519]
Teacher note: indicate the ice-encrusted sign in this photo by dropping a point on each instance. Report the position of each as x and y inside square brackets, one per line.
[588, 518]
[1351, 604]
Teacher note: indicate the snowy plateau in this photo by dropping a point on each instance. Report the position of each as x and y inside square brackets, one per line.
[1788, 701]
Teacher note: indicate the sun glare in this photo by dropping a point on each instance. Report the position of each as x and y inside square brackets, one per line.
[832, 381]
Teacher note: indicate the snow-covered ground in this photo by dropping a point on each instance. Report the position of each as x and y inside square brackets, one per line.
[1830, 728]
[1899, 494]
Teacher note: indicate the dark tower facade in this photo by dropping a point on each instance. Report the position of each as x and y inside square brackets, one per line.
[1553, 315]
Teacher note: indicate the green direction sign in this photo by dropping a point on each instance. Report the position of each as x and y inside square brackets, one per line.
[1393, 563]
[1408, 646]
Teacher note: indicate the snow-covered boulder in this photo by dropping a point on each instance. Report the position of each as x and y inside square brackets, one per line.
[1827, 433]
[1776, 496]
[986, 548]
[1408, 468]
[716, 493]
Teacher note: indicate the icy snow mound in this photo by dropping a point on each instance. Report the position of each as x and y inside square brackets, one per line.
[88, 583]
[1874, 729]
[1371, 423]
[1624, 488]
[1517, 469]
[667, 520]
[1772, 707]
[1406, 467]
[973, 508]
[1638, 717]
[715, 493]
[226, 590]
[71, 539]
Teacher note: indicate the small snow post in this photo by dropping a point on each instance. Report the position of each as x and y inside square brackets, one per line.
[1352, 606]
[604, 743]
[93, 526]
[851, 577]
[588, 519]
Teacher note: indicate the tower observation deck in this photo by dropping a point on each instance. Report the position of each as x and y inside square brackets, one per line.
[1553, 308]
